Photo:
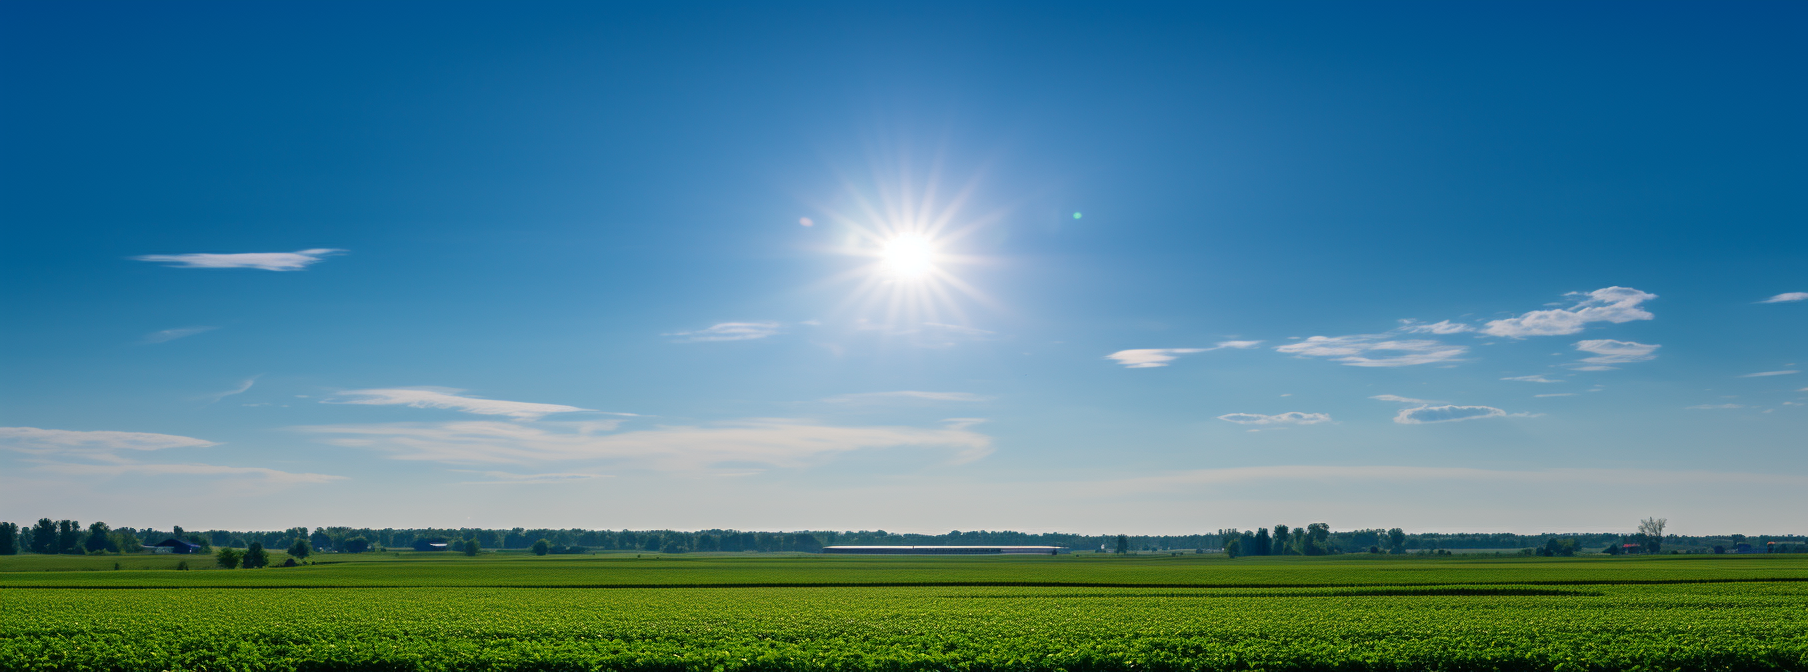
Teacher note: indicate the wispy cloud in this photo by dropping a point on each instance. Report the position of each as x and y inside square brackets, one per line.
[168, 335]
[761, 441]
[272, 476]
[1762, 374]
[1608, 351]
[907, 395]
[1361, 350]
[1787, 297]
[1403, 400]
[1424, 415]
[1444, 327]
[1149, 358]
[1714, 407]
[1288, 418]
[1609, 304]
[507, 478]
[268, 261]
[1555, 394]
[728, 331]
[448, 398]
[1532, 379]
[49, 441]
[241, 389]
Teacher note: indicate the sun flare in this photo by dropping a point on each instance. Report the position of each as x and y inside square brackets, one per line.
[908, 257]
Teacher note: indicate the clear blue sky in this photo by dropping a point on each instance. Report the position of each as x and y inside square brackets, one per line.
[1164, 268]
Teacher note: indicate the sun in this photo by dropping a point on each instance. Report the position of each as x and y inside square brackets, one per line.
[908, 257]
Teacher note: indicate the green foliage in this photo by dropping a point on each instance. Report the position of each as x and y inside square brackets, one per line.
[255, 557]
[9, 538]
[99, 538]
[229, 557]
[542, 546]
[471, 547]
[301, 548]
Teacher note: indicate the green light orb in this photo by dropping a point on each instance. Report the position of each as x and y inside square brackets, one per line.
[1076, 215]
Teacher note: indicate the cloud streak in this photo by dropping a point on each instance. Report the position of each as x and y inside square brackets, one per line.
[35, 441]
[1609, 304]
[1532, 379]
[1787, 297]
[1763, 374]
[1288, 418]
[1608, 351]
[908, 395]
[168, 335]
[447, 398]
[1424, 415]
[1375, 350]
[1149, 358]
[267, 261]
[774, 442]
[728, 331]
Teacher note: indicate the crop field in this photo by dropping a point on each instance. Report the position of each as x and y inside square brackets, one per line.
[507, 612]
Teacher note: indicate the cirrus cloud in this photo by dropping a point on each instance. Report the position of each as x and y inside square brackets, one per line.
[1149, 358]
[1288, 418]
[1423, 415]
[728, 331]
[268, 261]
[1608, 351]
[1787, 297]
[1375, 350]
[448, 398]
[45, 441]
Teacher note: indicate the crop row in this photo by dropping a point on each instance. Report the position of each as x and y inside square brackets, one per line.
[1717, 627]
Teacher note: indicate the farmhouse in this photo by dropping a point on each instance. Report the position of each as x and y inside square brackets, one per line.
[945, 550]
[175, 546]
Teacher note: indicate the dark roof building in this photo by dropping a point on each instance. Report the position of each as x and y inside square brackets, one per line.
[945, 550]
[175, 546]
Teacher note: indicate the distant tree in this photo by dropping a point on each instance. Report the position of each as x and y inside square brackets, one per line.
[97, 538]
[354, 545]
[1262, 545]
[255, 556]
[69, 537]
[228, 558]
[1396, 540]
[9, 539]
[44, 536]
[320, 539]
[1278, 545]
[1123, 544]
[471, 547]
[805, 542]
[516, 538]
[542, 546]
[300, 548]
[1318, 539]
[126, 542]
[1234, 547]
[1653, 529]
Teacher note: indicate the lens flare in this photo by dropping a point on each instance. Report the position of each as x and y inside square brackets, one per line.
[908, 257]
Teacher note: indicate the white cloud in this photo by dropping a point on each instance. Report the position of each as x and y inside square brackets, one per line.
[1532, 379]
[1399, 399]
[1610, 304]
[1787, 297]
[729, 331]
[1555, 394]
[1714, 407]
[168, 335]
[1444, 327]
[759, 441]
[1289, 418]
[439, 397]
[241, 389]
[1354, 350]
[138, 469]
[963, 397]
[1762, 374]
[507, 478]
[1609, 351]
[1148, 358]
[1429, 414]
[47, 441]
[269, 261]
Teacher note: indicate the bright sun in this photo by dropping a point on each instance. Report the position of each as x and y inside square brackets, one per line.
[908, 257]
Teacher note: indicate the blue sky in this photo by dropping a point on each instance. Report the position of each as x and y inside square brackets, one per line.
[1165, 268]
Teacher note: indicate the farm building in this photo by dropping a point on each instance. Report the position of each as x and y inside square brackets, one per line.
[945, 550]
[175, 546]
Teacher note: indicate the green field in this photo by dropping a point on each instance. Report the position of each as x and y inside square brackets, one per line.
[701, 612]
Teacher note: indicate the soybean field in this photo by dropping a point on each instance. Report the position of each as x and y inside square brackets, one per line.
[1084, 612]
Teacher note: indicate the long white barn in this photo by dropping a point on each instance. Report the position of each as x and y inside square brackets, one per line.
[945, 550]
